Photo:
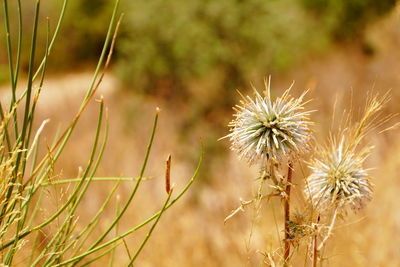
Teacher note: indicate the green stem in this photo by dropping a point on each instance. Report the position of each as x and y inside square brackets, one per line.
[76, 198]
[100, 179]
[55, 35]
[102, 254]
[125, 207]
[89, 228]
[150, 231]
[144, 223]
[112, 241]
[10, 62]
[19, 44]
[11, 252]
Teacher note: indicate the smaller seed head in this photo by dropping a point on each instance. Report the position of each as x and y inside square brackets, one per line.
[339, 179]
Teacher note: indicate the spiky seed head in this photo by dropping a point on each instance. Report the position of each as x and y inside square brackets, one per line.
[265, 129]
[338, 179]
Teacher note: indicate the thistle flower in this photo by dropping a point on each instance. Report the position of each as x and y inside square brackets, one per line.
[339, 179]
[265, 129]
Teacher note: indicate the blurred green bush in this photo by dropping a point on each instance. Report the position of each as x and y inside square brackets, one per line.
[345, 19]
[167, 46]
[171, 43]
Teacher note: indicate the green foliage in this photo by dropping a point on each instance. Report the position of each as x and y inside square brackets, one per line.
[344, 18]
[168, 43]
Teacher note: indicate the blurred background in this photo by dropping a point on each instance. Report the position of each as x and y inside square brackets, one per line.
[189, 58]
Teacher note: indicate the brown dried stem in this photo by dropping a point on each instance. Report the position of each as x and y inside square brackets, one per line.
[315, 245]
[287, 214]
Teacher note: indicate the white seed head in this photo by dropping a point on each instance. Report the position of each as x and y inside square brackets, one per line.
[264, 129]
[338, 179]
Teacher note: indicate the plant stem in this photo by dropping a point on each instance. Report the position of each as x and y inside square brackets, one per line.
[151, 230]
[287, 214]
[315, 249]
[329, 230]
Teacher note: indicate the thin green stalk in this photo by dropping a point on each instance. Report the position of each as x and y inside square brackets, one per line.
[100, 156]
[2, 150]
[150, 231]
[31, 118]
[112, 256]
[128, 202]
[19, 44]
[36, 97]
[35, 209]
[10, 62]
[33, 250]
[102, 254]
[90, 92]
[99, 179]
[25, 212]
[66, 135]
[5, 130]
[50, 47]
[32, 189]
[42, 174]
[55, 35]
[35, 147]
[148, 220]
[62, 141]
[105, 46]
[56, 252]
[77, 197]
[49, 220]
[138, 226]
[61, 243]
[30, 76]
[91, 251]
[102, 149]
[91, 225]
[26, 112]
[127, 249]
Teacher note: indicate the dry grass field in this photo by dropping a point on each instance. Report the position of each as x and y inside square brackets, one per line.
[193, 233]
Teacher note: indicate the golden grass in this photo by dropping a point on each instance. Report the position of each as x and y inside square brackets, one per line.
[194, 233]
